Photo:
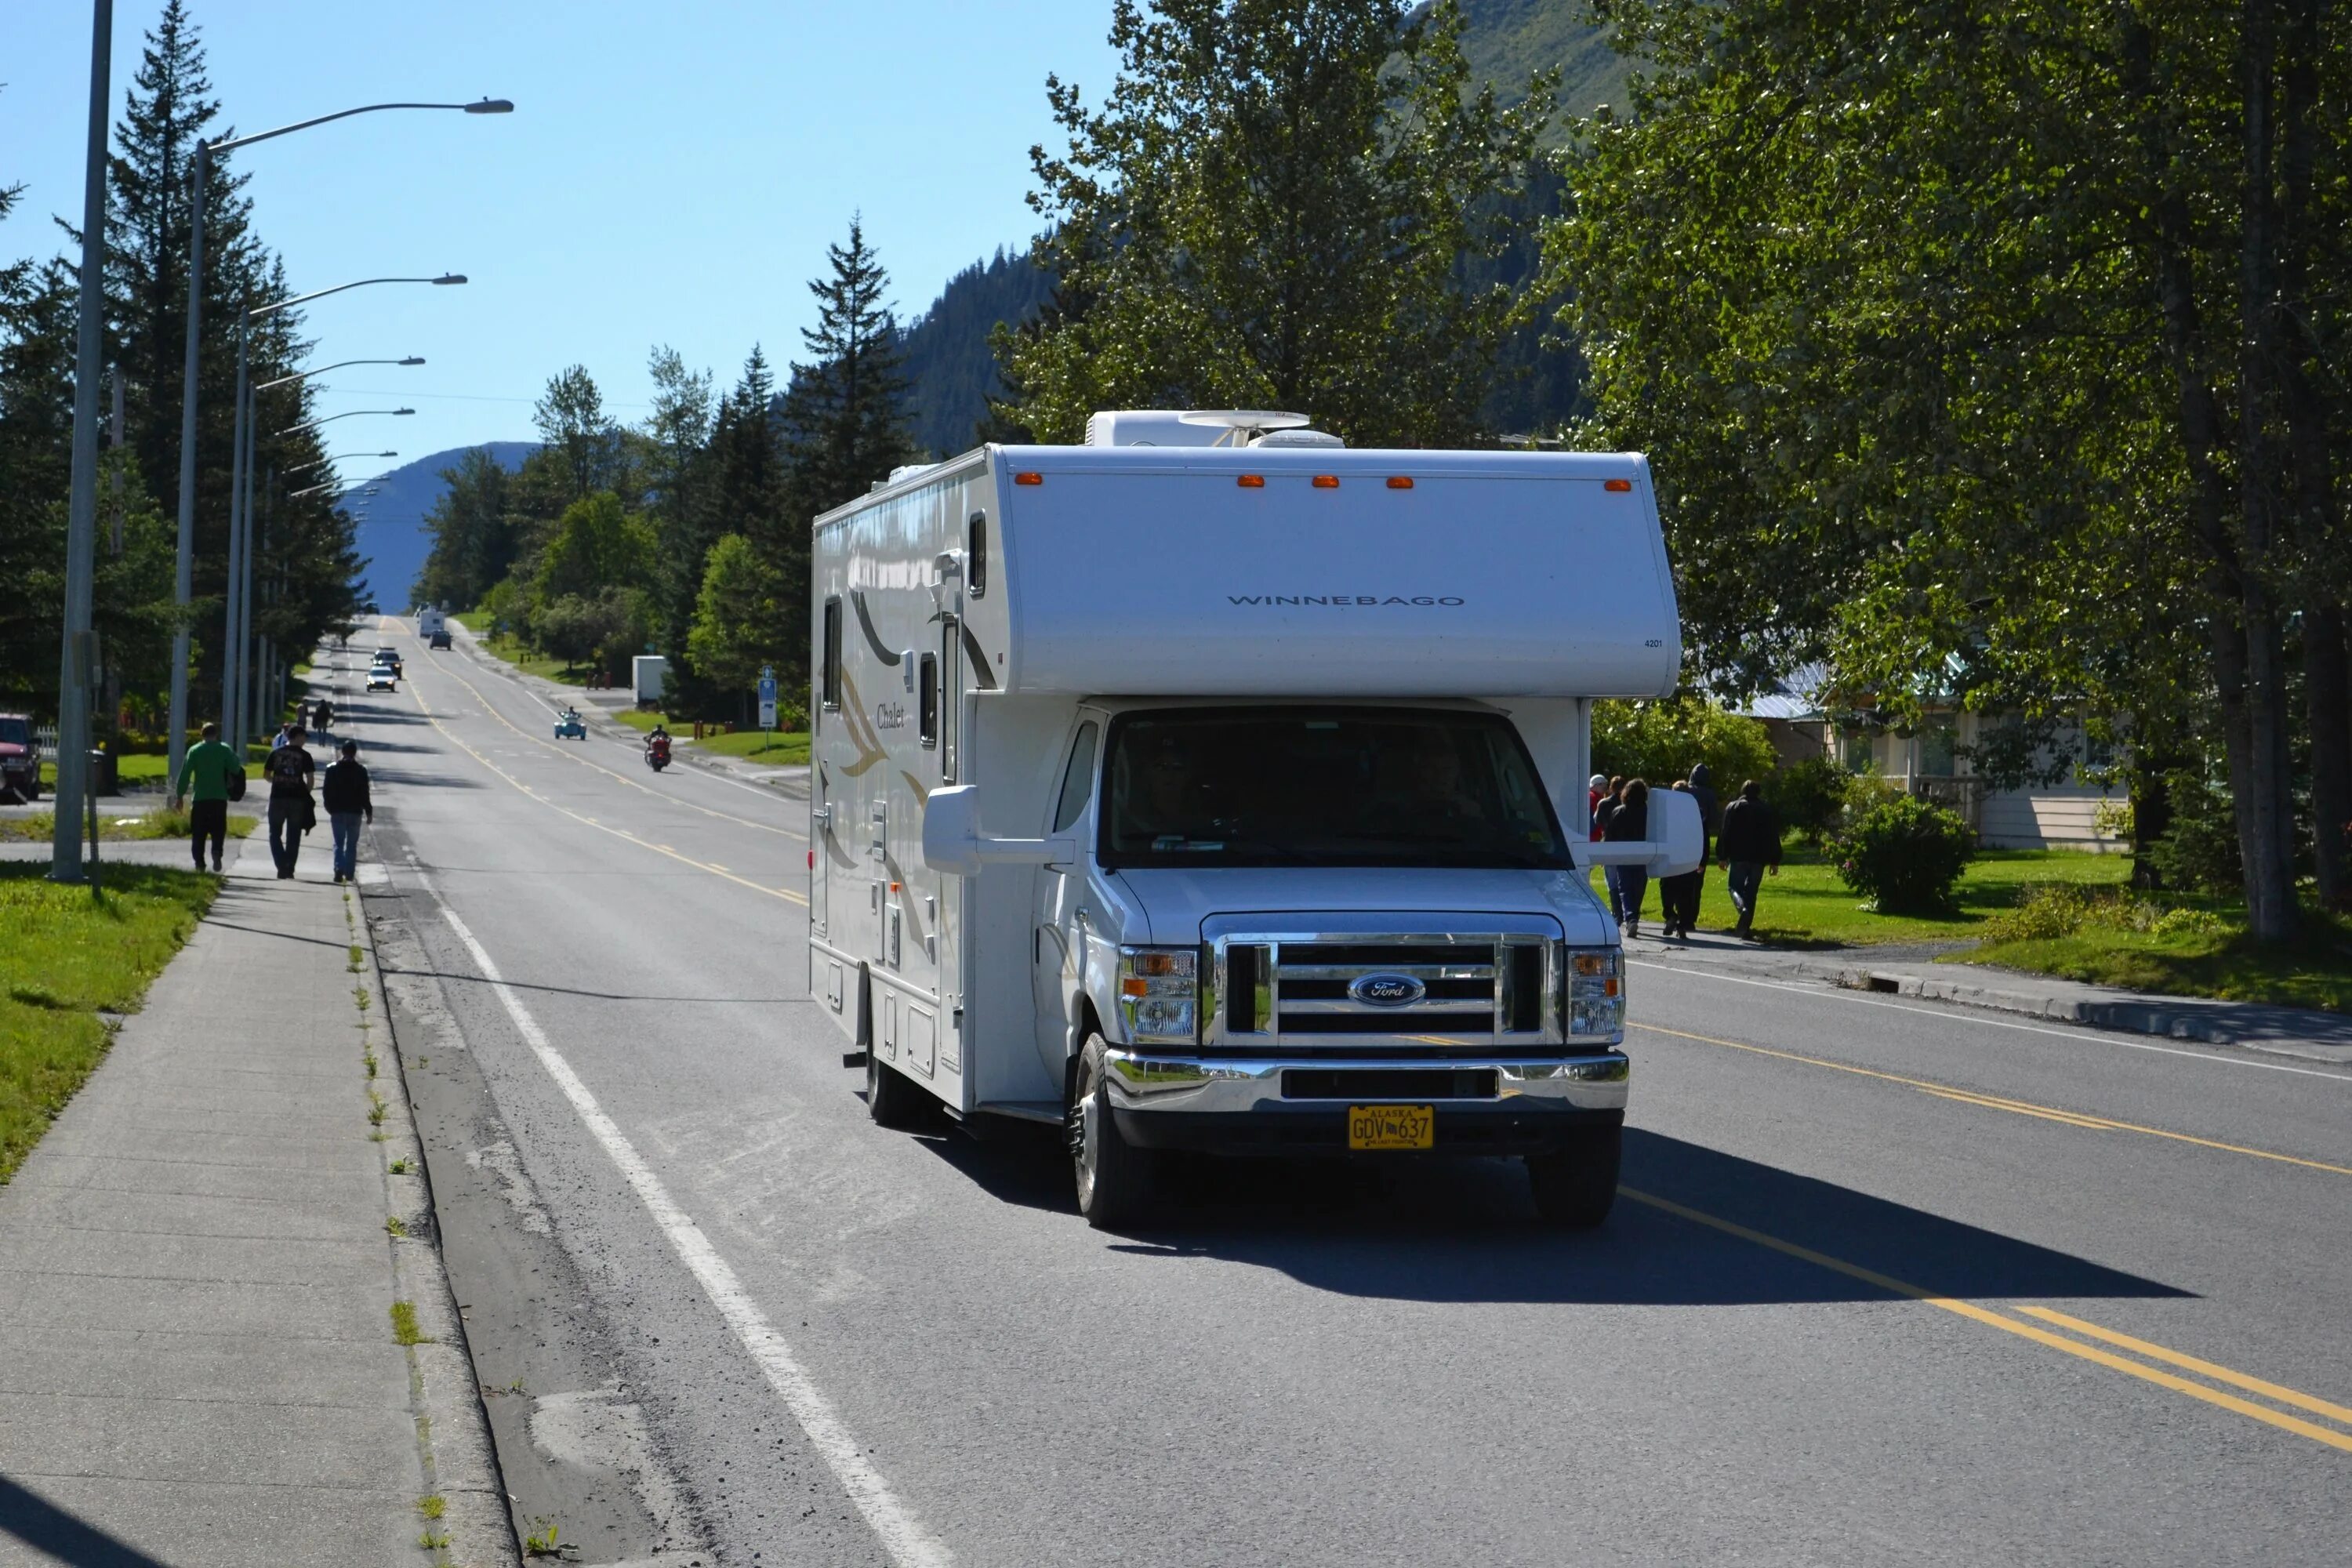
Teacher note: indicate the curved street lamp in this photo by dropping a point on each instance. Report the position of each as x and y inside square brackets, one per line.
[198, 179]
[339, 365]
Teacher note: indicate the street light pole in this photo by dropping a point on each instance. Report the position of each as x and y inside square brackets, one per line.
[232, 645]
[199, 178]
[79, 655]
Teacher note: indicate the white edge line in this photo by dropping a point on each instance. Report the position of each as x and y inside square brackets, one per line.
[903, 1536]
[2083, 1034]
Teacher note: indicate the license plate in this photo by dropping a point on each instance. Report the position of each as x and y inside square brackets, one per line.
[1391, 1127]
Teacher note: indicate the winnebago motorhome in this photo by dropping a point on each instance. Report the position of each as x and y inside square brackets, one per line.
[1208, 786]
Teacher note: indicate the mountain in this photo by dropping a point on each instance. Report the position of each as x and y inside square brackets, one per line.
[951, 371]
[392, 535]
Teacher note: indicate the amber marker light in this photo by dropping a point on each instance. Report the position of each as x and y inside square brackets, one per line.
[1327, 481]
[1251, 481]
[1029, 479]
[1617, 487]
[1399, 482]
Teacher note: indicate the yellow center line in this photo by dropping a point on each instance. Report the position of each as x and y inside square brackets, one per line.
[2204, 1368]
[570, 755]
[2007, 1325]
[2091, 1122]
[1947, 1091]
[721, 871]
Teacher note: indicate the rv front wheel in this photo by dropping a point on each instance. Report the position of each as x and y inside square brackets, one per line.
[891, 1100]
[1116, 1181]
[1575, 1187]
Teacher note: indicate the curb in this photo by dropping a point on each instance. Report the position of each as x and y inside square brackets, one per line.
[2197, 1023]
[453, 1433]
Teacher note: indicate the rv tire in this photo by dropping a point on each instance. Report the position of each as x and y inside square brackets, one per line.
[1575, 1187]
[1118, 1183]
[891, 1098]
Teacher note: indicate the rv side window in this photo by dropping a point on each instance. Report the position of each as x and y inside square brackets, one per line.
[951, 694]
[975, 558]
[1077, 779]
[927, 701]
[832, 654]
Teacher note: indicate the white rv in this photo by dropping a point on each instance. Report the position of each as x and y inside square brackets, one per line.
[1208, 786]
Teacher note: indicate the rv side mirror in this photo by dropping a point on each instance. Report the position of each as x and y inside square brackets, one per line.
[952, 842]
[1676, 830]
[951, 830]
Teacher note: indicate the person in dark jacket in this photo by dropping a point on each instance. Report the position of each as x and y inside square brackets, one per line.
[1630, 822]
[1749, 847]
[1678, 896]
[1602, 809]
[289, 770]
[344, 790]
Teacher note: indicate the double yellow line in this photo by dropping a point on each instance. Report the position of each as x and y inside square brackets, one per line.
[2081, 1338]
[1995, 1102]
[2086, 1330]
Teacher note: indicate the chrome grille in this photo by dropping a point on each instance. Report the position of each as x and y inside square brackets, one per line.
[1326, 991]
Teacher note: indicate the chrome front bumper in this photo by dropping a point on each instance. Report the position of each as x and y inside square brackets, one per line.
[1168, 1085]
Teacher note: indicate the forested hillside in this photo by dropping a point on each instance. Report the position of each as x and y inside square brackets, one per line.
[951, 373]
[393, 537]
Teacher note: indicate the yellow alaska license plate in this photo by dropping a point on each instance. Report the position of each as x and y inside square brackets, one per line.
[1391, 1127]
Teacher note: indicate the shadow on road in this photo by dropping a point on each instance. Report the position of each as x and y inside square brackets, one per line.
[1436, 1230]
[64, 1537]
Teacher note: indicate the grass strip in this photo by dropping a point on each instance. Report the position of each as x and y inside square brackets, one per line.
[67, 957]
[2218, 960]
[115, 824]
[1807, 906]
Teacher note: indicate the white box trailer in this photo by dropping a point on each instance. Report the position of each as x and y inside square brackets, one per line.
[1233, 798]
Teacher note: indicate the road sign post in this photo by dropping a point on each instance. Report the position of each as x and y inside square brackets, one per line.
[767, 703]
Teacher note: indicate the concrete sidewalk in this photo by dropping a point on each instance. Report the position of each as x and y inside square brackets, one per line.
[1914, 970]
[198, 1361]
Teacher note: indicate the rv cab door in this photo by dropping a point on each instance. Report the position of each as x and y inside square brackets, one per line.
[1058, 943]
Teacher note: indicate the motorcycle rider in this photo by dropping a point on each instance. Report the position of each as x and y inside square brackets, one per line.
[657, 746]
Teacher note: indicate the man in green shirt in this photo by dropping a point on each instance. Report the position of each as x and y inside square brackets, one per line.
[209, 766]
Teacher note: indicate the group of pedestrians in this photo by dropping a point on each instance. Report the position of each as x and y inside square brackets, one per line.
[1747, 840]
[212, 775]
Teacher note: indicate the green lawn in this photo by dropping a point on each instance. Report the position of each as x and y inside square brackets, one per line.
[1807, 906]
[116, 823]
[2216, 960]
[781, 746]
[513, 650]
[65, 958]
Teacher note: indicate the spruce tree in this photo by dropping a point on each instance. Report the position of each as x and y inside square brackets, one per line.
[844, 421]
[743, 491]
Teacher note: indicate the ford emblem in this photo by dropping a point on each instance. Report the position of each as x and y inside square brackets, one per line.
[1379, 990]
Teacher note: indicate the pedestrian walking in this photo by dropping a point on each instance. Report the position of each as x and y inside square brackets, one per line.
[1678, 896]
[1630, 822]
[343, 790]
[1595, 789]
[1750, 845]
[1611, 795]
[323, 717]
[284, 737]
[204, 782]
[289, 771]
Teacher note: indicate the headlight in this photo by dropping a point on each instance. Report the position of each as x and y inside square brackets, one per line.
[1596, 992]
[1158, 994]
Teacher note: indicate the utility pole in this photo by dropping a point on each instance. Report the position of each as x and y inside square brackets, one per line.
[75, 659]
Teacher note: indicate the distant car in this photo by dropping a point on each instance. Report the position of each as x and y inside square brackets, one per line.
[438, 640]
[390, 656]
[382, 679]
[569, 727]
[20, 759]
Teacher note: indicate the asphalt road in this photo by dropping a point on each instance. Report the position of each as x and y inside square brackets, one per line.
[1889, 1282]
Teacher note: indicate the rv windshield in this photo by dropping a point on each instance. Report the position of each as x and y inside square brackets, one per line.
[1324, 786]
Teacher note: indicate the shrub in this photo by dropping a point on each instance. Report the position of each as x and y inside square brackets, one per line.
[1904, 855]
[2198, 851]
[1660, 740]
[1808, 797]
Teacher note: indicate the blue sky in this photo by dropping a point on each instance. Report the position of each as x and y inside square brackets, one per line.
[672, 173]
